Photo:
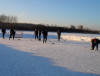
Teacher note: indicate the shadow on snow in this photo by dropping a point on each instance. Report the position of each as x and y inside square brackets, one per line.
[17, 63]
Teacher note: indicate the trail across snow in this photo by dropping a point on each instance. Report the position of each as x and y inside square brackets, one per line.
[29, 57]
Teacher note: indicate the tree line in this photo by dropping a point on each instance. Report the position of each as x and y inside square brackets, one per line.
[10, 22]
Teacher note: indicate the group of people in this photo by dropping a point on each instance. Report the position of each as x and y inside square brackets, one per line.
[94, 41]
[45, 34]
[37, 32]
[12, 33]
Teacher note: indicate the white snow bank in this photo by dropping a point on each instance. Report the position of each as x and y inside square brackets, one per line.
[80, 37]
[19, 34]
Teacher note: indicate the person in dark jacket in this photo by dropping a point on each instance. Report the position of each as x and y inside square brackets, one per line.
[12, 34]
[36, 33]
[94, 43]
[39, 34]
[45, 33]
[3, 32]
[59, 34]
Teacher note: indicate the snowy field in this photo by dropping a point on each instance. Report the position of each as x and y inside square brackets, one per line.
[29, 57]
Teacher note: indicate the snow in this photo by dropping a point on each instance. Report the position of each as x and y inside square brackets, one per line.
[29, 57]
[80, 37]
[19, 34]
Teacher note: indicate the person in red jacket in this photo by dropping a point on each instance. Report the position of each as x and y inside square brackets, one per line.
[94, 43]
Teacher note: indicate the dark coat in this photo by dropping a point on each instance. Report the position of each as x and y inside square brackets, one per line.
[3, 31]
[45, 33]
[59, 32]
[95, 41]
[36, 32]
[12, 31]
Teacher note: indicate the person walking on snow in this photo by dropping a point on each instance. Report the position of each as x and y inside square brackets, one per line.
[45, 33]
[59, 34]
[3, 32]
[39, 34]
[94, 43]
[36, 33]
[12, 34]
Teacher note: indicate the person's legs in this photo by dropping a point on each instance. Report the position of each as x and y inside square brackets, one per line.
[43, 38]
[92, 46]
[58, 38]
[13, 36]
[39, 37]
[35, 36]
[10, 36]
[3, 35]
[96, 46]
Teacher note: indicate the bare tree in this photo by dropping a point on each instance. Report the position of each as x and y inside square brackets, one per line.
[72, 27]
[2, 18]
[80, 27]
[8, 19]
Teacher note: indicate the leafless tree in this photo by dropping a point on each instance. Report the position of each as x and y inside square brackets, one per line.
[80, 27]
[72, 27]
[8, 19]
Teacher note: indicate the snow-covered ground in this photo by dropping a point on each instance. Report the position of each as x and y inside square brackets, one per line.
[80, 37]
[69, 57]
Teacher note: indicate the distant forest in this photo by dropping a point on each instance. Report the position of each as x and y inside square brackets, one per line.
[10, 22]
